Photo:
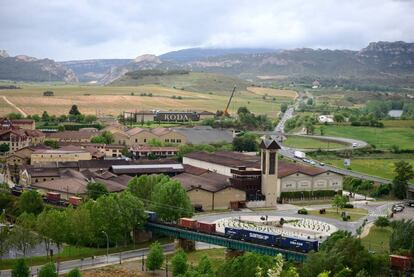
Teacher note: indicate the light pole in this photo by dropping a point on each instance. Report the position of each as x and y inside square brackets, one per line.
[107, 245]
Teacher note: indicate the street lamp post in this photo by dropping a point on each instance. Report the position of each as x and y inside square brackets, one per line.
[107, 245]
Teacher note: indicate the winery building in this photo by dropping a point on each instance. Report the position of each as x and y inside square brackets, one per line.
[266, 178]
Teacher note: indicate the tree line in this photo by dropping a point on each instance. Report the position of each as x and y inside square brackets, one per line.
[116, 214]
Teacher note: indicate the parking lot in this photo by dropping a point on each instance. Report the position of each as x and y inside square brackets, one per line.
[407, 213]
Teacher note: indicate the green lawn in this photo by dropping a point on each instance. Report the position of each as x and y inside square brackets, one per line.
[382, 138]
[377, 167]
[215, 255]
[378, 239]
[310, 143]
[73, 253]
[355, 213]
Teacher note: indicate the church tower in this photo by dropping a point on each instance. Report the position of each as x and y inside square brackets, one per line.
[269, 165]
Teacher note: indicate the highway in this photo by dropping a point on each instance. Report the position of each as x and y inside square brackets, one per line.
[289, 152]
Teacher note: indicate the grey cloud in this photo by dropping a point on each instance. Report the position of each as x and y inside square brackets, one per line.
[117, 29]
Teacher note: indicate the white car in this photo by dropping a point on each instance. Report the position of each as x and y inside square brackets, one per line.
[354, 144]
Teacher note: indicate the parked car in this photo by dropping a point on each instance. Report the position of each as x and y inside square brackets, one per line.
[354, 144]
[321, 164]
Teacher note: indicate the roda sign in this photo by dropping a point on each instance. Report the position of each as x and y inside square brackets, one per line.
[160, 116]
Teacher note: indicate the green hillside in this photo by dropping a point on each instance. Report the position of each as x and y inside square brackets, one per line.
[188, 81]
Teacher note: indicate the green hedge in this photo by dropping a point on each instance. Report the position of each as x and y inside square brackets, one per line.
[76, 127]
[308, 194]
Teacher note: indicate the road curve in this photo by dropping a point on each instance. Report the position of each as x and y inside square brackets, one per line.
[349, 142]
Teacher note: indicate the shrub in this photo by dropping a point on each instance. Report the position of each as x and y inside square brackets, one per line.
[348, 206]
[382, 221]
[303, 211]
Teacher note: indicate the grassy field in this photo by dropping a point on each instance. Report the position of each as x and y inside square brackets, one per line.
[377, 167]
[378, 239]
[289, 94]
[398, 133]
[355, 213]
[310, 143]
[113, 100]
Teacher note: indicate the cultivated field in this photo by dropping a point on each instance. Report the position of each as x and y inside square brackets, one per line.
[271, 92]
[400, 133]
[377, 167]
[113, 100]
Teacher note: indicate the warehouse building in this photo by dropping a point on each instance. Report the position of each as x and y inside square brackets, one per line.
[265, 177]
[208, 190]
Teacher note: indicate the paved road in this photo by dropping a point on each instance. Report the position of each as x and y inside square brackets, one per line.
[289, 152]
[98, 261]
[349, 142]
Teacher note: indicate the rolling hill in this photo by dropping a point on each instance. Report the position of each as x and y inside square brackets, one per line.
[213, 83]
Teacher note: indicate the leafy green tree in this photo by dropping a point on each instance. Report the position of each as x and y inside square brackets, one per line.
[283, 107]
[346, 252]
[291, 272]
[58, 226]
[143, 185]
[96, 190]
[382, 222]
[246, 142]
[204, 266]
[74, 273]
[4, 148]
[22, 238]
[48, 270]
[179, 263]
[170, 201]
[4, 236]
[52, 143]
[155, 143]
[74, 110]
[82, 229]
[362, 273]
[245, 265]
[345, 272]
[126, 213]
[339, 202]
[31, 202]
[155, 257]
[402, 235]
[243, 110]
[330, 242]
[45, 116]
[404, 173]
[20, 269]
[13, 116]
[105, 138]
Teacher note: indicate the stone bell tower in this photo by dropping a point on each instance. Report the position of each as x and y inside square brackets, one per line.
[269, 165]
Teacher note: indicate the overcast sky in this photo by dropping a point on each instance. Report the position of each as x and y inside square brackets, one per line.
[81, 29]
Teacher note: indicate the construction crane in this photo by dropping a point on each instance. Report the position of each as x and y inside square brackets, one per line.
[226, 111]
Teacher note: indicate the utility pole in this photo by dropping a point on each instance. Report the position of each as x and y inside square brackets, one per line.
[166, 266]
[107, 245]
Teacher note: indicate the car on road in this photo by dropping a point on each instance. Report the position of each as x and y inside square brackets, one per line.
[410, 203]
[312, 162]
[397, 208]
[321, 164]
[354, 144]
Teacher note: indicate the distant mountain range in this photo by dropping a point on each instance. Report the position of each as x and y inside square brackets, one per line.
[385, 63]
[25, 68]
[191, 54]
